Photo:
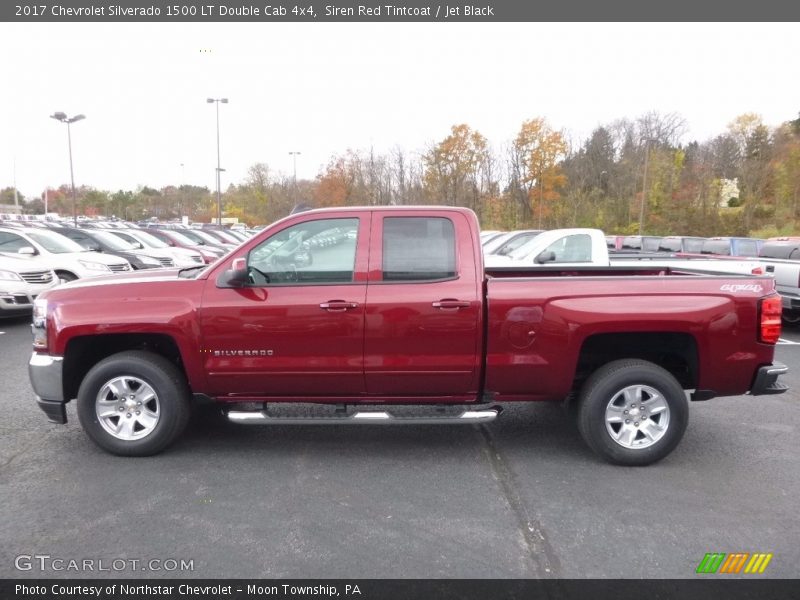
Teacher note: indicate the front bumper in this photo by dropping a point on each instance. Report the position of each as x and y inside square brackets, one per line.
[46, 377]
[13, 303]
[766, 381]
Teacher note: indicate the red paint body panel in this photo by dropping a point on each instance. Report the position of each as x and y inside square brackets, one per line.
[538, 339]
[518, 334]
[152, 301]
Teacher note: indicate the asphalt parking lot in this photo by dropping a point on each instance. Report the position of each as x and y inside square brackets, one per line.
[522, 497]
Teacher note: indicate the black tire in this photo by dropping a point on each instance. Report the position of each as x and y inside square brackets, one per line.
[170, 406]
[790, 318]
[603, 396]
[65, 276]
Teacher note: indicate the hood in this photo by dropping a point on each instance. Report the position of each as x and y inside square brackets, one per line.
[13, 262]
[131, 277]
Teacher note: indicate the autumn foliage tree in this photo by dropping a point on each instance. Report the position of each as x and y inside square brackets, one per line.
[537, 176]
[455, 169]
[745, 179]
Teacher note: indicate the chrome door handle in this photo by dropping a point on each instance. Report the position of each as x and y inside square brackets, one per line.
[337, 305]
[448, 303]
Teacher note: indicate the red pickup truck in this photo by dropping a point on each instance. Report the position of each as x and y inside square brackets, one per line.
[386, 315]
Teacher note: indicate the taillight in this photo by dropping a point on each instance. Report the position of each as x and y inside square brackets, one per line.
[757, 271]
[771, 309]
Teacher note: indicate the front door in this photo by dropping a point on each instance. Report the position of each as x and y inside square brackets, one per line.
[297, 330]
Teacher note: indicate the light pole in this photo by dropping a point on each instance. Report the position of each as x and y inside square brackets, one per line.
[219, 169]
[60, 116]
[294, 154]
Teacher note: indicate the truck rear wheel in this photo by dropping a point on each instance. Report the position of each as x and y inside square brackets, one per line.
[133, 403]
[632, 412]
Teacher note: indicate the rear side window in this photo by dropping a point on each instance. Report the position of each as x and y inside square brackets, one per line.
[748, 248]
[418, 249]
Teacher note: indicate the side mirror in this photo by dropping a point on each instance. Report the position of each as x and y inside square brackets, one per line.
[94, 248]
[237, 275]
[27, 251]
[545, 257]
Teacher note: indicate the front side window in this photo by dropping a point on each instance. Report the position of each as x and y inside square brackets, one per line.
[571, 249]
[11, 243]
[313, 252]
[55, 243]
[418, 249]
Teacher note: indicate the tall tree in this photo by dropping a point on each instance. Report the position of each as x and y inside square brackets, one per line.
[455, 168]
[536, 154]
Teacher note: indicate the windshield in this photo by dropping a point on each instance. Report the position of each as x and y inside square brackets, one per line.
[224, 236]
[199, 238]
[149, 240]
[523, 250]
[180, 238]
[112, 241]
[55, 242]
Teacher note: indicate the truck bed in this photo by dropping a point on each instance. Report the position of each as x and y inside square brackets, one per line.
[539, 328]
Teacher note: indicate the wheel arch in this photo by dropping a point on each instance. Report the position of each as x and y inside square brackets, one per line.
[673, 351]
[72, 274]
[83, 352]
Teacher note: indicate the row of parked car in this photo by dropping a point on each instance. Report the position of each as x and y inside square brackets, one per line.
[507, 243]
[778, 257]
[35, 256]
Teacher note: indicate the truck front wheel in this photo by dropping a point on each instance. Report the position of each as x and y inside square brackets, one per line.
[133, 403]
[632, 412]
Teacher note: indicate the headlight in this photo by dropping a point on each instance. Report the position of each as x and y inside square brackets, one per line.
[39, 326]
[9, 276]
[148, 260]
[94, 266]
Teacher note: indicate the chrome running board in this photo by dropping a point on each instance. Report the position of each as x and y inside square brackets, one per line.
[465, 417]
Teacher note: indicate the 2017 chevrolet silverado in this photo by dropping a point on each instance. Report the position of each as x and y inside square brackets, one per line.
[387, 315]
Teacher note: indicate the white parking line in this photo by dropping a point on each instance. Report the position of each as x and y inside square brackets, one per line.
[783, 342]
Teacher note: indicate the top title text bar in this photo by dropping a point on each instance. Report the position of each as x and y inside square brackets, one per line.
[266, 11]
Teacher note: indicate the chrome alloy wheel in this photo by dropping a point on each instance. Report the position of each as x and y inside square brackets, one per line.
[127, 408]
[637, 417]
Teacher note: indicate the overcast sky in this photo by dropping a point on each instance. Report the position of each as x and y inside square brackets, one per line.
[322, 88]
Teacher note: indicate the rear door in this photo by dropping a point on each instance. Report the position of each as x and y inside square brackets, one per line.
[423, 306]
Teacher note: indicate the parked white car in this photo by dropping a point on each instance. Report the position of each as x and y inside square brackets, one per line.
[21, 280]
[505, 243]
[181, 257]
[69, 260]
[581, 247]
